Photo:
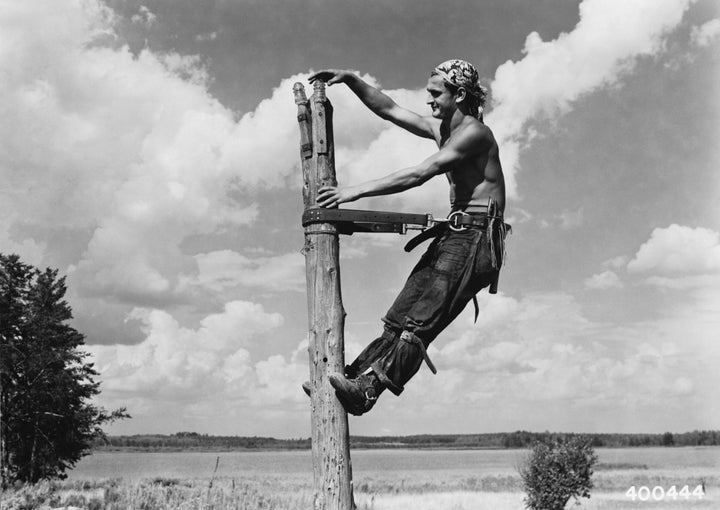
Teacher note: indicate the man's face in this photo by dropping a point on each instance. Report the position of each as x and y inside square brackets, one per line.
[440, 99]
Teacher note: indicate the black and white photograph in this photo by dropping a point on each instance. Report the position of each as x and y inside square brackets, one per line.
[359, 255]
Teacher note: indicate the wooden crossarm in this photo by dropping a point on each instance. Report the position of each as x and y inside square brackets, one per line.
[349, 221]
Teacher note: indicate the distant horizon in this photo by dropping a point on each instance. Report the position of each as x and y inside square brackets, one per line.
[429, 434]
[449, 434]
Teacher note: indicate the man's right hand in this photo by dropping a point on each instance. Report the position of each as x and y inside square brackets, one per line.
[330, 76]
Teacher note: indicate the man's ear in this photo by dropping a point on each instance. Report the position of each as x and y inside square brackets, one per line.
[461, 94]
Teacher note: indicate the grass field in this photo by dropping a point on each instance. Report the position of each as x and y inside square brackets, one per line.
[469, 488]
[491, 493]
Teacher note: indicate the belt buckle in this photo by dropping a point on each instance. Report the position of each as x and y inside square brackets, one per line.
[454, 221]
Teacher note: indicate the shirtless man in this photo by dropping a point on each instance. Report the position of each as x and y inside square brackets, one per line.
[467, 252]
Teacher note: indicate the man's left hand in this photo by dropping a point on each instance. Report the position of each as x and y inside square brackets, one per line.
[332, 196]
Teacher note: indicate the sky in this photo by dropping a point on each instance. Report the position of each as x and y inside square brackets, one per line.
[149, 150]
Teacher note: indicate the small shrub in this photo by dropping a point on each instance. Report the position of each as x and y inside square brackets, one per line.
[557, 469]
[165, 482]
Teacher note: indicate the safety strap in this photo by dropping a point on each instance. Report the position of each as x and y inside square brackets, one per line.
[387, 382]
[409, 337]
[432, 232]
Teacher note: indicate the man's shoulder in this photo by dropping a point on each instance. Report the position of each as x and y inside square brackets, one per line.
[473, 129]
[479, 126]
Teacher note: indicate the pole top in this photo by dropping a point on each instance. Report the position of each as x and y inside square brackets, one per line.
[319, 91]
[299, 92]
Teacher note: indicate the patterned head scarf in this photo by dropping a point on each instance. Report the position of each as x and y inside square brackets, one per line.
[461, 73]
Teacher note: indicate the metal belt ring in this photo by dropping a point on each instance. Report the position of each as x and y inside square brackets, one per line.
[454, 221]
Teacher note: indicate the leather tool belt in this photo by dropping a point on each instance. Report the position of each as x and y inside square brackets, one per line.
[457, 221]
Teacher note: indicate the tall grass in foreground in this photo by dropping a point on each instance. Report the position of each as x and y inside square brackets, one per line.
[158, 494]
[226, 494]
[389, 491]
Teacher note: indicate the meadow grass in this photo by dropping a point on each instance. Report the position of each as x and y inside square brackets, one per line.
[460, 500]
[371, 493]
[156, 494]
[376, 489]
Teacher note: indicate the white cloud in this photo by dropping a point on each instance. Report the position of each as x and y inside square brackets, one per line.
[675, 257]
[211, 36]
[144, 157]
[553, 75]
[605, 280]
[135, 147]
[707, 33]
[542, 352]
[32, 251]
[206, 372]
[542, 348]
[678, 251]
[571, 219]
[174, 359]
[226, 269]
[144, 17]
[617, 262]
[140, 155]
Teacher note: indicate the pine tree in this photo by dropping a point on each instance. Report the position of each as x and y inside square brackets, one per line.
[47, 419]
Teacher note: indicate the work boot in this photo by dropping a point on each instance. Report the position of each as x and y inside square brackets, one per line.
[358, 395]
[307, 387]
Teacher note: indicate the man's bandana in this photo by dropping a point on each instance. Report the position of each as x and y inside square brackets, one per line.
[461, 73]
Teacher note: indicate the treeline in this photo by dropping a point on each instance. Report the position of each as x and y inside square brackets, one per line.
[523, 439]
[195, 441]
[518, 439]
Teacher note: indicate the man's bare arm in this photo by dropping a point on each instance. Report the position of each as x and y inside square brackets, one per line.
[469, 143]
[378, 102]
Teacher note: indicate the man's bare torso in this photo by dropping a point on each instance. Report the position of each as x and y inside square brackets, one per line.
[479, 177]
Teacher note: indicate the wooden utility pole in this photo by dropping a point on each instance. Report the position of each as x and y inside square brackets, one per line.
[332, 470]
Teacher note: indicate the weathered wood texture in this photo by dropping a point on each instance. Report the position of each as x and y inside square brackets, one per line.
[326, 316]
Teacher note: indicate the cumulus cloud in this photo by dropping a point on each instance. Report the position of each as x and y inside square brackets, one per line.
[680, 257]
[707, 33]
[543, 352]
[140, 155]
[226, 269]
[546, 82]
[176, 360]
[552, 75]
[31, 250]
[571, 219]
[111, 162]
[677, 257]
[143, 156]
[605, 280]
[211, 36]
[133, 145]
[144, 16]
[617, 262]
[210, 368]
[678, 251]
[543, 347]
